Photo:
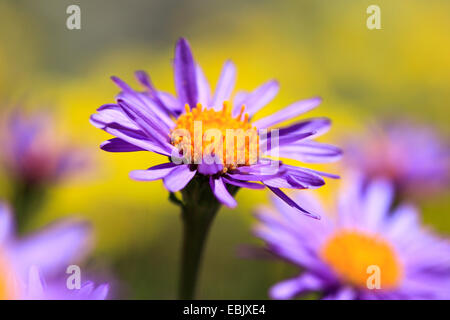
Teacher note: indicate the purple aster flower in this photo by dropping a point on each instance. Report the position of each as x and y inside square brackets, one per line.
[213, 147]
[412, 157]
[33, 152]
[367, 250]
[34, 267]
[34, 157]
[151, 120]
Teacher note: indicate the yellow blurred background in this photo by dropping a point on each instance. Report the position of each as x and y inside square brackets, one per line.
[312, 47]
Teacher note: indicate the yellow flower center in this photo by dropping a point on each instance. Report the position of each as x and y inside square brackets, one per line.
[8, 282]
[227, 140]
[356, 256]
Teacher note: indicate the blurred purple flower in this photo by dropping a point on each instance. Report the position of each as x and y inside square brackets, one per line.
[144, 121]
[32, 152]
[412, 157]
[340, 256]
[34, 267]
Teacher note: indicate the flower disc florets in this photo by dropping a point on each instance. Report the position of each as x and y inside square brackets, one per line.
[207, 135]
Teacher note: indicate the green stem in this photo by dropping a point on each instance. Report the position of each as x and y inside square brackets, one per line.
[26, 199]
[195, 231]
[199, 207]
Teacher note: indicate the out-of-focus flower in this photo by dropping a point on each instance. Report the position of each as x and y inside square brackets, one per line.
[412, 157]
[34, 267]
[154, 121]
[33, 153]
[367, 243]
[34, 157]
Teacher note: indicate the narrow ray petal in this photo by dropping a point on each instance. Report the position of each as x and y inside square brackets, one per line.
[221, 192]
[119, 145]
[259, 98]
[204, 90]
[291, 202]
[288, 113]
[185, 73]
[154, 173]
[178, 178]
[225, 85]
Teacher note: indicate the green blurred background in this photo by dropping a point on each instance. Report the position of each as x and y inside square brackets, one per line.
[312, 47]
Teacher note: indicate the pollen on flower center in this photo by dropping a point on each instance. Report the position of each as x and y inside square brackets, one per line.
[350, 253]
[8, 284]
[231, 141]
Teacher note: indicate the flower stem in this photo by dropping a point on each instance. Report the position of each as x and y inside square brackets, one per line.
[26, 199]
[199, 207]
[195, 231]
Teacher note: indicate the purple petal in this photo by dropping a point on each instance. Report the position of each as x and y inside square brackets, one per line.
[121, 84]
[24, 131]
[209, 169]
[283, 139]
[221, 192]
[6, 223]
[287, 241]
[71, 161]
[139, 140]
[311, 234]
[225, 85]
[204, 91]
[179, 177]
[151, 126]
[85, 290]
[303, 129]
[170, 102]
[238, 101]
[154, 173]
[185, 75]
[56, 289]
[100, 293]
[345, 293]
[349, 201]
[258, 172]
[289, 289]
[287, 113]
[119, 145]
[53, 249]
[259, 98]
[323, 174]
[144, 79]
[377, 202]
[404, 219]
[291, 202]
[284, 182]
[250, 177]
[295, 178]
[35, 284]
[149, 107]
[270, 168]
[243, 184]
[305, 176]
[310, 152]
[111, 113]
